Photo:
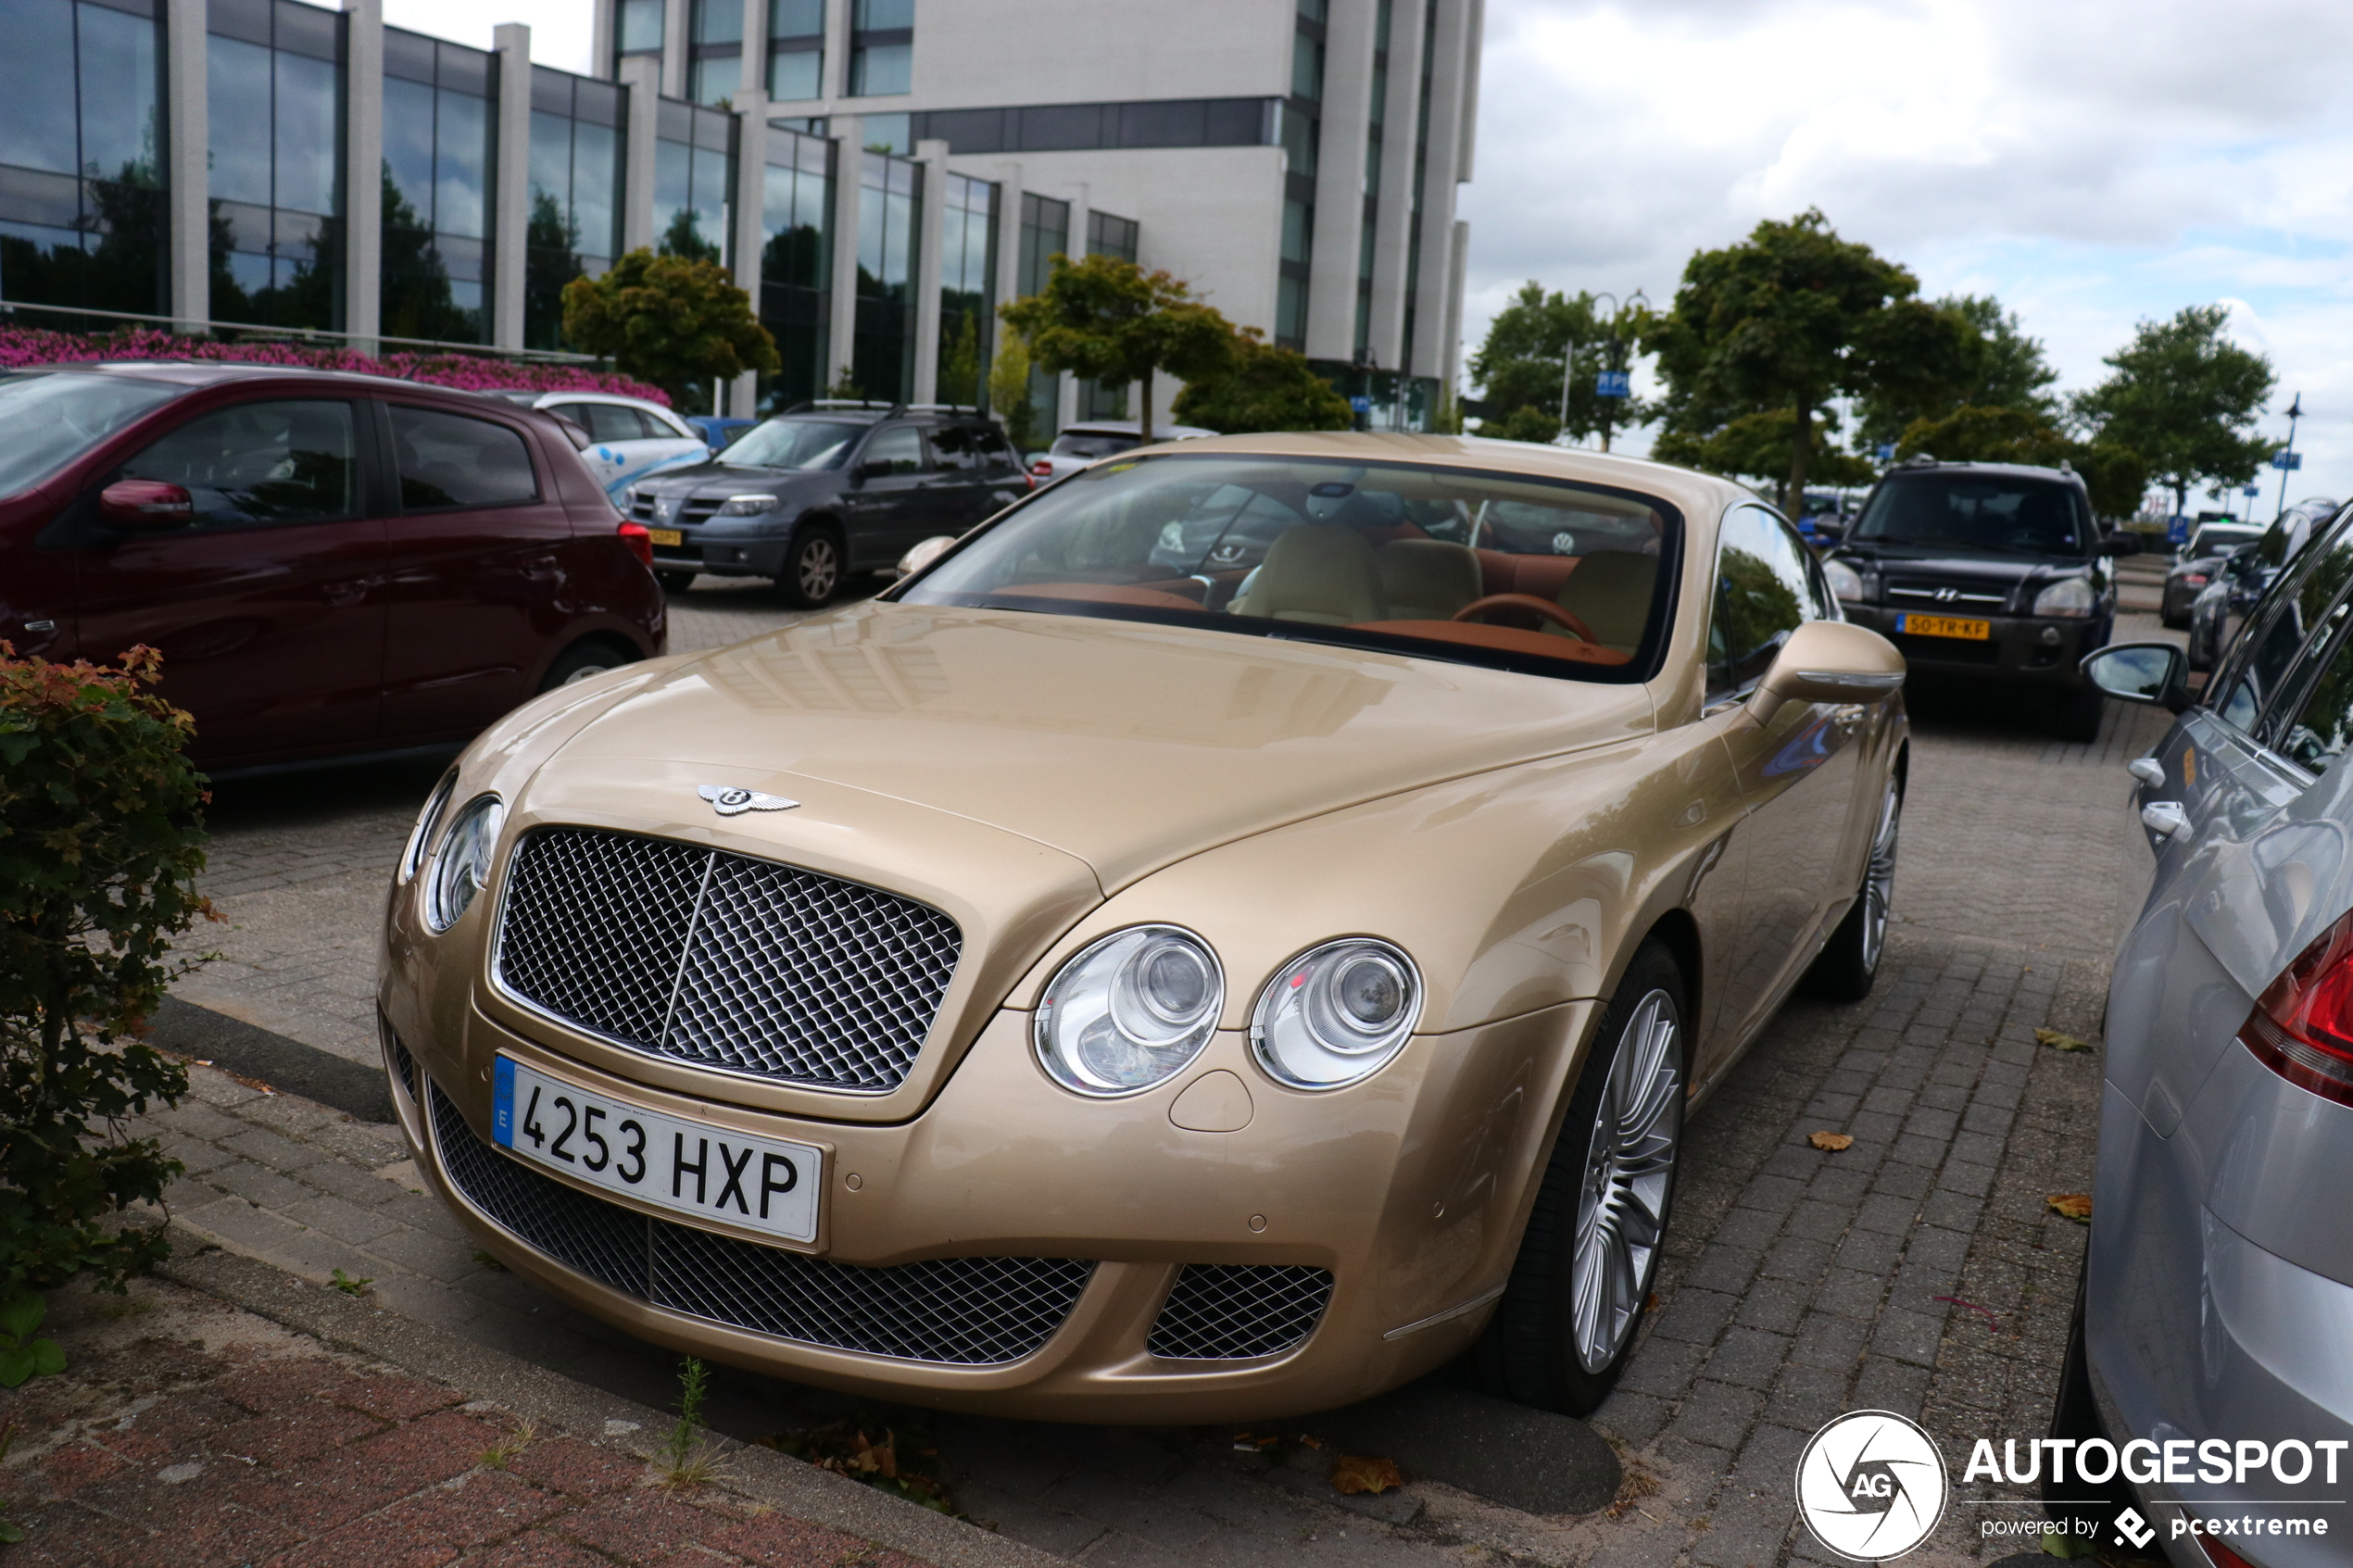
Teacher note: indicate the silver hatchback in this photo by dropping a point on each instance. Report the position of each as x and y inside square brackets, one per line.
[2214, 1325]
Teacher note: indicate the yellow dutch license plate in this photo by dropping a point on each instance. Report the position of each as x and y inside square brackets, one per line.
[672, 538]
[1928, 626]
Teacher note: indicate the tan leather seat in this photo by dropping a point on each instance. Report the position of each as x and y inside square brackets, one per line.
[1610, 591]
[1426, 579]
[1323, 575]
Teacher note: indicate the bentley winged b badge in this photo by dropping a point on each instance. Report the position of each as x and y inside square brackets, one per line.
[729, 802]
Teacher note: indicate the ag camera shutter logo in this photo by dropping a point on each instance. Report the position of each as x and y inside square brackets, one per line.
[1872, 1485]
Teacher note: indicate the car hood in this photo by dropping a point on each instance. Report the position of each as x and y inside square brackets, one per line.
[732, 479]
[1124, 744]
[2002, 570]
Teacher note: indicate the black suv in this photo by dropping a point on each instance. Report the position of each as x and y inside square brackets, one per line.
[1986, 572]
[823, 490]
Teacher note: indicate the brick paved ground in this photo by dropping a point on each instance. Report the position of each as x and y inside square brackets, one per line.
[188, 1431]
[1918, 1271]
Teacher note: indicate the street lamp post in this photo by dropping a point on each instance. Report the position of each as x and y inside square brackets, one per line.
[2295, 412]
[1568, 359]
[1610, 367]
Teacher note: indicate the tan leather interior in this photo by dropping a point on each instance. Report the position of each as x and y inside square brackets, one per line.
[1323, 575]
[1611, 593]
[1426, 579]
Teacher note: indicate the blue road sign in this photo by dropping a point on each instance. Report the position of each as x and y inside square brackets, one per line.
[1613, 384]
[1362, 403]
[2251, 489]
[2177, 530]
[2288, 462]
[1887, 451]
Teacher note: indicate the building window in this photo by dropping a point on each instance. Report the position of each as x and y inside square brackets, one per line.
[715, 50]
[1414, 192]
[796, 50]
[439, 119]
[574, 228]
[275, 89]
[641, 27]
[81, 168]
[1045, 234]
[693, 176]
[796, 263]
[882, 47]
[1363, 337]
[967, 284]
[889, 214]
[1107, 235]
[1301, 135]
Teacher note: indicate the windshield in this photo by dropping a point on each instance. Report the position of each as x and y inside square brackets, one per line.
[1484, 568]
[2215, 541]
[1079, 443]
[51, 416]
[1975, 511]
[792, 443]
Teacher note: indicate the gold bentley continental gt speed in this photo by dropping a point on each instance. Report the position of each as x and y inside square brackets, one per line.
[1241, 928]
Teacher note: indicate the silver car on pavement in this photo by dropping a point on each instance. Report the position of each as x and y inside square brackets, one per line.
[2216, 1310]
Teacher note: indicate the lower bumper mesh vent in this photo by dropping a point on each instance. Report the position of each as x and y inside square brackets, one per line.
[963, 1311]
[1233, 1311]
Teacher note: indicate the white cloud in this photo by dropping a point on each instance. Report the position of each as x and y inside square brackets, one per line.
[2093, 163]
[561, 30]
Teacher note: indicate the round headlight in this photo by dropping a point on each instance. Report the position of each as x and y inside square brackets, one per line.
[1130, 1010]
[2070, 596]
[1336, 1015]
[1846, 584]
[461, 866]
[412, 859]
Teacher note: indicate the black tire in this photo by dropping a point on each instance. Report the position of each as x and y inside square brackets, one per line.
[2088, 1508]
[1846, 967]
[812, 568]
[1529, 1351]
[673, 579]
[593, 657]
[2076, 716]
[2173, 619]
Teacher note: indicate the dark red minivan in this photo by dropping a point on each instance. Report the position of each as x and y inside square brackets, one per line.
[332, 565]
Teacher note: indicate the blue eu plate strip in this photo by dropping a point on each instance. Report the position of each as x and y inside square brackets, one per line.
[502, 1104]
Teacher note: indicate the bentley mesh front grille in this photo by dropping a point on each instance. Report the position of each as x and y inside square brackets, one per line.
[962, 1311]
[725, 961]
[1233, 1311]
[404, 1066]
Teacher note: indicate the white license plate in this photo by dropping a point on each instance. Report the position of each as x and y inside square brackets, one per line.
[690, 1168]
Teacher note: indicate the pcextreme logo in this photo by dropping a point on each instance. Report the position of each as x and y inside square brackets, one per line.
[1872, 1485]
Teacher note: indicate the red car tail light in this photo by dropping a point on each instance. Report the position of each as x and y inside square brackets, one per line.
[2194, 578]
[641, 543]
[2302, 1025]
[1041, 469]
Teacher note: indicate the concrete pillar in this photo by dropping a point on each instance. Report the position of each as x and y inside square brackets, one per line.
[510, 185]
[841, 333]
[1387, 336]
[363, 186]
[1009, 190]
[1451, 345]
[643, 78]
[1474, 34]
[834, 82]
[1339, 180]
[750, 207]
[1082, 207]
[930, 225]
[188, 177]
[674, 47]
[1450, 110]
[604, 43]
[755, 62]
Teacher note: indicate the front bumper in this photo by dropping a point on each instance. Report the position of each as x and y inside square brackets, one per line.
[2030, 651]
[1410, 1190]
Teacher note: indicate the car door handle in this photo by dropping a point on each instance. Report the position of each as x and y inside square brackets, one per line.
[2148, 770]
[2165, 818]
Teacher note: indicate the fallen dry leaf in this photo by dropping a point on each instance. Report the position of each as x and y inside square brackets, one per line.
[1831, 1142]
[2076, 1206]
[2060, 1042]
[1356, 1473]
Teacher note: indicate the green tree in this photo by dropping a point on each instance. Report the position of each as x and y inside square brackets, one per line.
[550, 260]
[677, 322]
[1518, 367]
[1986, 361]
[1789, 319]
[2116, 477]
[684, 237]
[1976, 434]
[1758, 447]
[959, 379]
[2185, 398]
[1009, 389]
[1111, 322]
[1263, 387]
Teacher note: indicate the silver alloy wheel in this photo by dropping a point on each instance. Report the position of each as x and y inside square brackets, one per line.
[1630, 1169]
[1879, 879]
[818, 566]
[583, 672]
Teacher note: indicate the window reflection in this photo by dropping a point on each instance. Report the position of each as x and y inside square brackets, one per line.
[438, 130]
[275, 115]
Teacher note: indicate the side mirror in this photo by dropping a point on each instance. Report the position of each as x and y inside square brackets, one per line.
[879, 469]
[2120, 544]
[1825, 529]
[924, 554]
[2153, 674]
[1828, 662]
[145, 504]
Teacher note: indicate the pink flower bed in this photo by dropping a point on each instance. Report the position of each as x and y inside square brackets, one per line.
[35, 346]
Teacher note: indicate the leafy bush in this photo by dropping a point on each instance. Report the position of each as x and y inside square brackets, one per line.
[679, 321]
[1263, 387]
[101, 838]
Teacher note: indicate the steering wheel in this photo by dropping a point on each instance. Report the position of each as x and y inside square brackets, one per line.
[1566, 620]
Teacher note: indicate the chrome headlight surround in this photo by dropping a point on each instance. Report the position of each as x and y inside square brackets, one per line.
[460, 867]
[1130, 1011]
[1335, 1014]
[2072, 598]
[747, 505]
[412, 856]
